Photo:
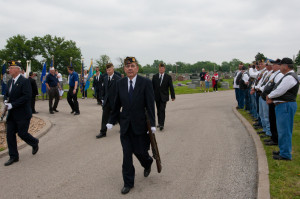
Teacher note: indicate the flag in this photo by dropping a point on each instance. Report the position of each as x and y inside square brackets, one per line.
[43, 79]
[87, 84]
[28, 68]
[3, 79]
[81, 77]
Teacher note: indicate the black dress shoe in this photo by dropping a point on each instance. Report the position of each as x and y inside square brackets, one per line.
[35, 149]
[51, 112]
[276, 152]
[35, 112]
[158, 126]
[261, 132]
[125, 190]
[268, 140]
[77, 114]
[55, 110]
[271, 143]
[147, 172]
[72, 111]
[278, 157]
[257, 127]
[11, 161]
[161, 128]
[101, 135]
[265, 136]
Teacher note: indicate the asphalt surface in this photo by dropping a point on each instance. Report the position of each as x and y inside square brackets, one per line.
[206, 153]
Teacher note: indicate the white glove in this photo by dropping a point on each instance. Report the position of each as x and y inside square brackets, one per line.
[5, 101]
[102, 101]
[9, 106]
[153, 129]
[92, 88]
[109, 126]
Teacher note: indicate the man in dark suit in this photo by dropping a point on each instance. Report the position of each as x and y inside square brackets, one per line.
[162, 83]
[97, 86]
[109, 91]
[34, 90]
[135, 96]
[18, 100]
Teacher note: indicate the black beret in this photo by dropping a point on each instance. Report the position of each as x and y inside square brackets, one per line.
[277, 61]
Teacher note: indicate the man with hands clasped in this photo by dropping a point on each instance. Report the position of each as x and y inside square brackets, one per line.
[136, 98]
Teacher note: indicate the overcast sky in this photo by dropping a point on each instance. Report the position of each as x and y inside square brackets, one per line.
[168, 30]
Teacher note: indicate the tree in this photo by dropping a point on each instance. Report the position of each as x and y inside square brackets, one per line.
[62, 50]
[102, 61]
[260, 57]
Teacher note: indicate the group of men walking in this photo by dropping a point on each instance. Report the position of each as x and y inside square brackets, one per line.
[128, 101]
[268, 91]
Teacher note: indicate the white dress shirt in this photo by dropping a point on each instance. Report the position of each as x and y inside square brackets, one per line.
[253, 73]
[245, 77]
[277, 78]
[162, 77]
[133, 82]
[287, 83]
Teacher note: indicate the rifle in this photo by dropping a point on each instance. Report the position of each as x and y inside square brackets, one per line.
[4, 113]
[154, 146]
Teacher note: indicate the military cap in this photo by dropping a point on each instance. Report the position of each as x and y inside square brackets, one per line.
[128, 60]
[14, 63]
[277, 61]
[287, 61]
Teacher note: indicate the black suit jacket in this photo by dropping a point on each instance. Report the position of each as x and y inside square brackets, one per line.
[33, 87]
[134, 113]
[20, 99]
[109, 90]
[162, 91]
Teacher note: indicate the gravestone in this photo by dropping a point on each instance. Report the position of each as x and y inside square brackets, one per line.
[225, 85]
[196, 82]
[192, 86]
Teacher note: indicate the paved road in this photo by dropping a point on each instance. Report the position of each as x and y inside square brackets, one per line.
[205, 150]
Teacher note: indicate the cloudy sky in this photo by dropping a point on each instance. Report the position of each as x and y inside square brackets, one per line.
[168, 30]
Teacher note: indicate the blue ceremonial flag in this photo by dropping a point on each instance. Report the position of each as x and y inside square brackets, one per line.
[81, 77]
[87, 84]
[43, 79]
[3, 79]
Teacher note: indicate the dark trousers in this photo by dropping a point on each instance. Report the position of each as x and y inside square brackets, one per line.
[139, 146]
[216, 86]
[53, 93]
[247, 99]
[272, 119]
[161, 112]
[84, 92]
[33, 104]
[98, 95]
[105, 116]
[257, 106]
[72, 100]
[20, 127]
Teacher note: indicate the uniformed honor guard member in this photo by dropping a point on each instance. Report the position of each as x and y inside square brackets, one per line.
[284, 96]
[162, 83]
[34, 90]
[73, 90]
[18, 102]
[52, 84]
[108, 92]
[135, 96]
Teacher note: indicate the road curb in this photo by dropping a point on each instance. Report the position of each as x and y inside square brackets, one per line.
[263, 185]
[42, 132]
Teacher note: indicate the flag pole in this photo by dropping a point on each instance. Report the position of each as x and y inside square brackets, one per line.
[71, 61]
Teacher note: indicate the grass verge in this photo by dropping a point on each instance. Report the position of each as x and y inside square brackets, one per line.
[284, 176]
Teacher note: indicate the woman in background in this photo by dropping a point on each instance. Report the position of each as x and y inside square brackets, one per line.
[207, 80]
[84, 92]
[215, 79]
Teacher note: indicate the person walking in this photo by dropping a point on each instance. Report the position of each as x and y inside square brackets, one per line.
[73, 90]
[52, 84]
[34, 91]
[85, 78]
[17, 99]
[162, 84]
[109, 91]
[136, 98]
[97, 87]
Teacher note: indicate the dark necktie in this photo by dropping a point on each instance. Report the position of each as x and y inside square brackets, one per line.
[130, 91]
[12, 84]
[160, 78]
[108, 80]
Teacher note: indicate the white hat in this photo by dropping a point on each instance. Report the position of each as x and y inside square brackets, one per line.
[52, 68]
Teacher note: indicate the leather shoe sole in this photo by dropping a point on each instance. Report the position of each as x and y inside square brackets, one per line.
[276, 152]
[77, 114]
[125, 190]
[55, 110]
[11, 161]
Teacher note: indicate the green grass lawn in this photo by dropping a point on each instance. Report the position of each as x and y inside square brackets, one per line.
[284, 175]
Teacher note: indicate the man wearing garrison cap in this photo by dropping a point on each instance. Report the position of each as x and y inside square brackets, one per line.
[136, 98]
[17, 99]
[52, 84]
